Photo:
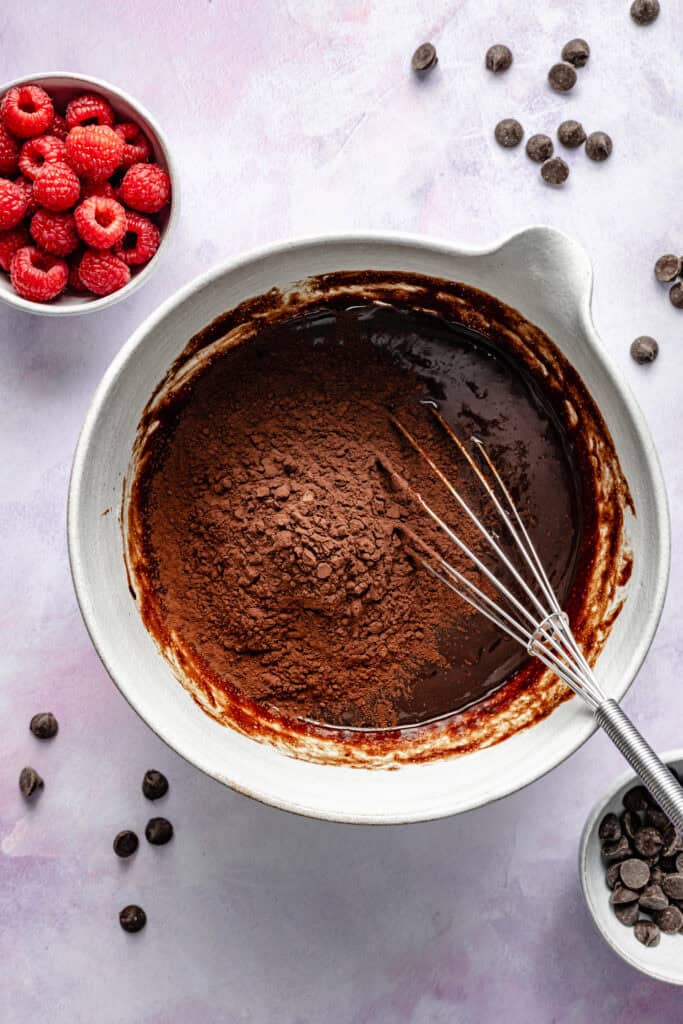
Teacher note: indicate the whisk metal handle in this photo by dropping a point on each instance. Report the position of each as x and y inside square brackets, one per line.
[654, 774]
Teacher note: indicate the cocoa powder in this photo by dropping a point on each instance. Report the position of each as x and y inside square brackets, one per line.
[274, 539]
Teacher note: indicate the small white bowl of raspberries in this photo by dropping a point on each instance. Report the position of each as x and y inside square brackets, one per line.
[87, 194]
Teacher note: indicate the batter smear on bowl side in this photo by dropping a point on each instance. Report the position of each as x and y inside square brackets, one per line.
[268, 542]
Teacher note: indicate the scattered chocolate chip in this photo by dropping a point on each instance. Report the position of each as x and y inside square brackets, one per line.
[509, 133]
[647, 932]
[626, 913]
[29, 782]
[630, 823]
[658, 819]
[620, 849]
[669, 920]
[576, 52]
[679, 863]
[571, 134]
[636, 799]
[159, 831]
[668, 268]
[132, 918]
[609, 829]
[620, 894]
[44, 725]
[648, 841]
[424, 58]
[673, 886]
[656, 875]
[644, 349]
[676, 295]
[154, 784]
[562, 77]
[555, 171]
[125, 843]
[498, 58]
[598, 146]
[644, 12]
[635, 874]
[539, 148]
[673, 844]
[613, 875]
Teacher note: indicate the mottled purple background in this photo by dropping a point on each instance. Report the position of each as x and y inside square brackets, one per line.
[292, 118]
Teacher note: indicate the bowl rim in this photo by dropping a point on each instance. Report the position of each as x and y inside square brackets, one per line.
[587, 834]
[148, 120]
[585, 724]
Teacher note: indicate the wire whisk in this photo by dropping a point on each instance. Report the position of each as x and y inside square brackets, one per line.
[526, 608]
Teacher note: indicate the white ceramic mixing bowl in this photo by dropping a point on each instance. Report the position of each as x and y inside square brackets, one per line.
[540, 272]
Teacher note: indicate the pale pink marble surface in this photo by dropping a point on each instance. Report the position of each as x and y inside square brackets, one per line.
[292, 118]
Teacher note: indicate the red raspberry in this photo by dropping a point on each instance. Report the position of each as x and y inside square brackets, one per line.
[9, 152]
[10, 241]
[58, 128]
[26, 187]
[98, 188]
[102, 272]
[145, 187]
[100, 222]
[55, 232]
[140, 241]
[26, 110]
[35, 153]
[89, 109]
[56, 187]
[36, 275]
[94, 151]
[136, 149]
[13, 203]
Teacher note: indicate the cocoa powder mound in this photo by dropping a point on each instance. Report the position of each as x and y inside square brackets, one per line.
[272, 539]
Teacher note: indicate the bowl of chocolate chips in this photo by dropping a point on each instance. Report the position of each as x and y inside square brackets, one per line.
[252, 593]
[631, 869]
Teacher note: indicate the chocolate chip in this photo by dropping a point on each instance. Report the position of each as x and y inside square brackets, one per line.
[424, 58]
[676, 295]
[154, 784]
[647, 932]
[555, 171]
[620, 849]
[125, 843]
[669, 920]
[571, 134]
[562, 77]
[630, 823]
[656, 875]
[653, 898]
[613, 875]
[635, 874]
[644, 12]
[576, 52]
[679, 863]
[498, 58]
[29, 782]
[509, 133]
[598, 146]
[132, 918]
[648, 841]
[658, 819]
[644, 349]
[609, 829]
[636, 799]
[621, 894]
[44, 725]
[673, 886]
[626, 913]
[539, 148]
[159, 831]
[673, 844]
[668, 267]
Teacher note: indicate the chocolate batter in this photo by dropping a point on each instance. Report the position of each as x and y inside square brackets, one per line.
[268, 532]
